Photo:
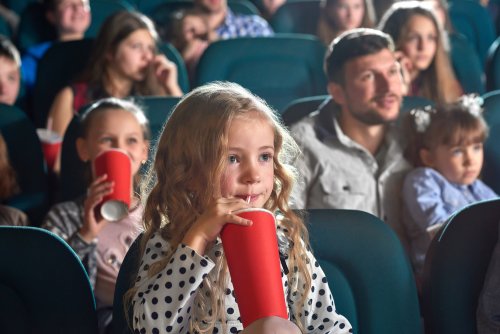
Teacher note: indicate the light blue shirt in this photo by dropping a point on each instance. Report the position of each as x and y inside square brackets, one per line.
[430, 199]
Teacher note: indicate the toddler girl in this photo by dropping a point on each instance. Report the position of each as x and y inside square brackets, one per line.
[446, 146]
[102, 245]
[222, 150]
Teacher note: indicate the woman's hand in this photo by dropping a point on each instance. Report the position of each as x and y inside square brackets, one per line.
[208, 226]
[92, 223]
[162, 77]
[406, 70]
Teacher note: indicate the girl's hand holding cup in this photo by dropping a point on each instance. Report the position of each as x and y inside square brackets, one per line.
[93, 223]
[209, 225]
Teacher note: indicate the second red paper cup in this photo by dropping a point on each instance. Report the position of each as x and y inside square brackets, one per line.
[254, 265]
[118, 167]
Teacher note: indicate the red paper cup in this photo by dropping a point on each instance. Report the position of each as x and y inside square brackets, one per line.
[118, 167]
[254, 265]
[51, 145]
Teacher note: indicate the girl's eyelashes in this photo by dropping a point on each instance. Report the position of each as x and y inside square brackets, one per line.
[105, 140]
[478, 147]
[456, 151]
[232, 159]
[265, 157]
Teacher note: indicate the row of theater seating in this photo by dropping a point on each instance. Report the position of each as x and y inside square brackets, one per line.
[27, 159]
[271, 67]
[367, 269]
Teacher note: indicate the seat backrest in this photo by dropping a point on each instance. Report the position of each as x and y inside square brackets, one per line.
[34, 27]
[101, 10]
[492, 69]
[479, 24]
[466, 64]
[299, 108]
[17, 6]
[26, 157]
[297, 16]
[411, 102]
[48, 288]
[367, 269]
[75, 173]
[455, 267]
[271, 67]
[158, 110]
[61, 63]
[124, 281]
[491, 164]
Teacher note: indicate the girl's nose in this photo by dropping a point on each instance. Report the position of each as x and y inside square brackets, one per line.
[251, 175]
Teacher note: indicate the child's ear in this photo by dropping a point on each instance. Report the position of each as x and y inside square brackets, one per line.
[426, 157]
[337, 92]
[81, 149]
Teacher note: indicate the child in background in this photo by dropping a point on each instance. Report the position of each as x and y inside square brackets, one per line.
[188, 32]
[123, 63]
[10, 77]
[446, 146]
[71, 19]
[422, 45]
[337, 16]
[101, 245]
[222, 145]
[9, 187]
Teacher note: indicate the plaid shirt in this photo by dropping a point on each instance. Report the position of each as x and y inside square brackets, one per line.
[243, 26]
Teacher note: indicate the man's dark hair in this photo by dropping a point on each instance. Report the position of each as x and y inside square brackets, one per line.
[352, 44]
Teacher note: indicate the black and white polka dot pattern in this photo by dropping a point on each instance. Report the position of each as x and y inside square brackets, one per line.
[164, 303]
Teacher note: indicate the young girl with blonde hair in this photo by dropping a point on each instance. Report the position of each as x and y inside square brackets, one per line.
[423, 51]
[222, 150]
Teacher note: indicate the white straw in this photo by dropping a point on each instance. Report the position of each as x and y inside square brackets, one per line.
[49, 123]
[248, 199]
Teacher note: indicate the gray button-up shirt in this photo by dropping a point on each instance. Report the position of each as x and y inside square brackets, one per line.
[338, 173]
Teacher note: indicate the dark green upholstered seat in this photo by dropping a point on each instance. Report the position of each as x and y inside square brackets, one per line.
[455, 267]
[279, 69]
[26, 158]
[43, 285]
[367, 269]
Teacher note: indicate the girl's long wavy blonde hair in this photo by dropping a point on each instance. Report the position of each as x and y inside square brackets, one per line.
[186, 174]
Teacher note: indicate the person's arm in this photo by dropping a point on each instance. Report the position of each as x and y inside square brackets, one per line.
[65, 220]
[422, 197]
[61, 112]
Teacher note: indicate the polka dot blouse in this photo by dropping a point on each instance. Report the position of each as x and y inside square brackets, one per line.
[164, 303]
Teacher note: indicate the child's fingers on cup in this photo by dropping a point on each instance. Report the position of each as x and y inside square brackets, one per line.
[103, 188]
[235, 219]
